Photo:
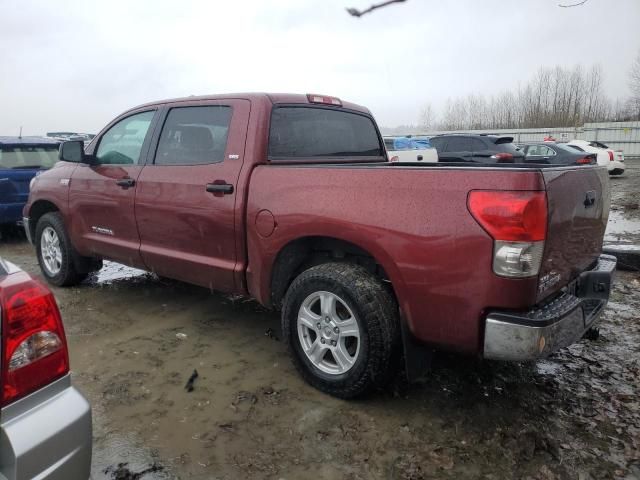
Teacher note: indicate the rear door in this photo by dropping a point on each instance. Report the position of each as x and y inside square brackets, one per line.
[481, 151]
[578, 202]
[101, 195]
[186, 196]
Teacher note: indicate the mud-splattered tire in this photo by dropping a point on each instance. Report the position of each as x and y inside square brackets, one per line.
[363, 355]
[57, 259]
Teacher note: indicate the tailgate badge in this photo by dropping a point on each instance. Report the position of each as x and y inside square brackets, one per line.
[590, 199]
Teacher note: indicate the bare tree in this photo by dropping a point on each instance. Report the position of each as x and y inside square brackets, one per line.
[427, 117]
[634, 85]
[358, 13]
[577, 4]
[559, 97]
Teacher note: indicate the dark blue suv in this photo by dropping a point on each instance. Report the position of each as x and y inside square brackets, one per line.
[21, 159]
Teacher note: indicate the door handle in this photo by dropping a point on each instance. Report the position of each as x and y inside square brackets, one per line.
[126, 182]
[220, 188]
[420, 157]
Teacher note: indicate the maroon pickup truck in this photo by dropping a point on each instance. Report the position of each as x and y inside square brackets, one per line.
[290, 199]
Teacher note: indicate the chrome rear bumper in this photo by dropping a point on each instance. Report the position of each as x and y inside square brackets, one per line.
[519, 336]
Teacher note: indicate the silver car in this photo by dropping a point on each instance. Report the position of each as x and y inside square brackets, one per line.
[45, 423]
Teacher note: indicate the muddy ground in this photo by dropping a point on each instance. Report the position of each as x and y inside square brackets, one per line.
[135, 340]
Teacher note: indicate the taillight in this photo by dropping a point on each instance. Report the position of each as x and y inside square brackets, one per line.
[503, 157]
[584, 161]
[610, 155]
[34, 349]
[517, 222]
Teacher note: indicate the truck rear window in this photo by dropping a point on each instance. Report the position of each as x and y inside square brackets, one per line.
[315, 132]
[28, 157]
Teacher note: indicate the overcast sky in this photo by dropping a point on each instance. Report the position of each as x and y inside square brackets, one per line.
[74, 65]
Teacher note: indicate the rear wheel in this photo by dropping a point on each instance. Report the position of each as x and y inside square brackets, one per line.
[59, 262]
[342, 329]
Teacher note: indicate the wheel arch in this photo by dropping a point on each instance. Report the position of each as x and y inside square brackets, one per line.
[304, 252]
[37, 210]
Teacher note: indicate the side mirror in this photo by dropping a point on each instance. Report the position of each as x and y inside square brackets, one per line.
[72, 151]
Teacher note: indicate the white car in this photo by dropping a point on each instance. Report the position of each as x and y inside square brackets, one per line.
[613, 160]
[410, 149]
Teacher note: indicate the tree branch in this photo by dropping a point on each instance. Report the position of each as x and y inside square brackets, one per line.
[573, 4]
[358, 13]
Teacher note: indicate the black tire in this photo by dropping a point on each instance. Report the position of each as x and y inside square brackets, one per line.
[377, 316]
[69, 273]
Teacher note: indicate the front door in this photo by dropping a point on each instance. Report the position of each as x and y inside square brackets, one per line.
[101, 195]
[185, 199]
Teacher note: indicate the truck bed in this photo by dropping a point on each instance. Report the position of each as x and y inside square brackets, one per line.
[413, 219]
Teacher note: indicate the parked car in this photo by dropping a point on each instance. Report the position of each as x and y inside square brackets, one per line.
[45, 423]
[473, 148]
[410, 149]
[614, 161]
[290, 199]
[21, 159]
[555, 153]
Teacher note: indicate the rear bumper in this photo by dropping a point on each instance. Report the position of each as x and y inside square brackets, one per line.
[47, 435]
[520, 336]
[615, 167]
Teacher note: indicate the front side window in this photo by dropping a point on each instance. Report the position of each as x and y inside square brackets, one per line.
[313, 132]
[27, 157]
[122, 143]
[194, 136]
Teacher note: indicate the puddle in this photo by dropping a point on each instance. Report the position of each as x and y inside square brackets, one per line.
[118, 457]
[113, 272]
[546, 367]
[621, 228]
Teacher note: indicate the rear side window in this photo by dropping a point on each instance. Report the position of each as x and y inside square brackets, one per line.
[27, 157]
[194, 136]
[459, 144]
[478, 145]
[313, 132]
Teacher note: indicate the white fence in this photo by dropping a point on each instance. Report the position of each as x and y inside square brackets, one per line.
[623, 136]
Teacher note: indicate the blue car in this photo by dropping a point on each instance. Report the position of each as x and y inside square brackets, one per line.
[21, 159]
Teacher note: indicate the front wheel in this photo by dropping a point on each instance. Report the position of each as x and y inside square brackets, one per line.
[55, 253]
[342, 329]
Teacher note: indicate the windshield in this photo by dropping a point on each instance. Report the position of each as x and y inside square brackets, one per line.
[28, 156]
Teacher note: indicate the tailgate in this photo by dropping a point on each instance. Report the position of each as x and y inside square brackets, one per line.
[578, 202]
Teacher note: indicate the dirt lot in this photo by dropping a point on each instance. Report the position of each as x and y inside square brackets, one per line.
[135, 340]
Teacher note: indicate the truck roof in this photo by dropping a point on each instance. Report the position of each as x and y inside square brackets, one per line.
[272, 98]
[28, 141]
